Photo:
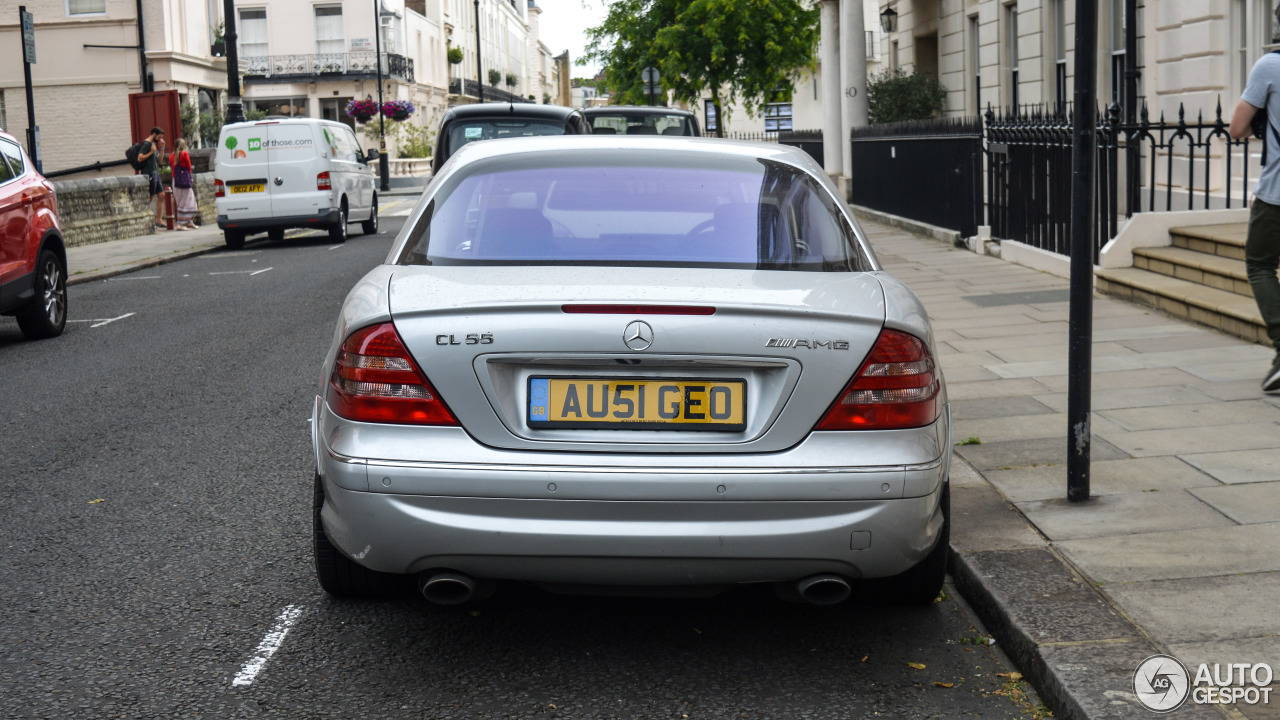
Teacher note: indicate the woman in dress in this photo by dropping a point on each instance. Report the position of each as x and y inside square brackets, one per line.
[184, 194]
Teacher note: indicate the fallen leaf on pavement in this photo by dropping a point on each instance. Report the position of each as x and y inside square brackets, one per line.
[1013, 676]
[918, 666]
[95, 502]
[944, 685]
[864, 658]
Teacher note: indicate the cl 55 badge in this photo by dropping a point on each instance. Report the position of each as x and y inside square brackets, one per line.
[468, 339]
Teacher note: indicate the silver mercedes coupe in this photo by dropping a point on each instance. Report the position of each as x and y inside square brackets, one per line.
[661, 366]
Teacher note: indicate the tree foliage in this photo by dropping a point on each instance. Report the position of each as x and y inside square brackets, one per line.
[893, 95]
[495, 76]
[738, 50]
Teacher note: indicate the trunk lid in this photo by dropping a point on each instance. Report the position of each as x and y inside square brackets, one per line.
[485, 336]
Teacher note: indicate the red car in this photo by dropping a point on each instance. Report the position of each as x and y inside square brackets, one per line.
[33, 257]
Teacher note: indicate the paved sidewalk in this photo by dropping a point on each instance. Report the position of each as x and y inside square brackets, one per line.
[1179, 550]
[102, 260]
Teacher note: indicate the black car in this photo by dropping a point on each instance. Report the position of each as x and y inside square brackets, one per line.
[491, 121]
[636, 120]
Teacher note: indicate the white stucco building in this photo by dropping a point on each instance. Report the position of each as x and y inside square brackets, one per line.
[304, 58]
[88, 63]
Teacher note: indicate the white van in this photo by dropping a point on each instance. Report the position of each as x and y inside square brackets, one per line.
[289, 173]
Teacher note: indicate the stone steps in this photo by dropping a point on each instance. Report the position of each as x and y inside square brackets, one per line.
[1200, 278]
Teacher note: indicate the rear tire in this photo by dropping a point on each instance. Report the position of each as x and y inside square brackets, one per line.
[233, 238]
[921, 584]
[338, 231]
[275, 234]
[370, 226]
[339, 575]
[46, 315]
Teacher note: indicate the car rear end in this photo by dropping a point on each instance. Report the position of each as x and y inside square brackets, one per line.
[513, 400]
[273, 174]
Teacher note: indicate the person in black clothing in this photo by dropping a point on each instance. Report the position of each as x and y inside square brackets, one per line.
[152, 150]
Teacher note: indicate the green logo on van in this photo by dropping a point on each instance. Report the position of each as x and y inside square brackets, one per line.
[255, 144]
[231, 142]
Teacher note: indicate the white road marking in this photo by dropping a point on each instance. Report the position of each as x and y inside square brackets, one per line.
[232, 272]
[335, 247]
[259, 272]
[269, 645]
[398, 213]
[100, 323]
[140, 277]
[222, 255]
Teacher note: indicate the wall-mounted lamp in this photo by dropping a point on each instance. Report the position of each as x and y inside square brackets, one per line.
[889, 20]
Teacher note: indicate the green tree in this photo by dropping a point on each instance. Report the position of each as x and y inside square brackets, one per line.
[738, 50]
[893, 96]
[495, 77]
[455, 54]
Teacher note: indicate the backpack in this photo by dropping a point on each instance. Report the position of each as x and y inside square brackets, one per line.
[1258, 127]
[132, 156]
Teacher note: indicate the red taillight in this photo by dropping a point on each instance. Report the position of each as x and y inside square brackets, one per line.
[639, 309]
[897, 387]
[219, 189]
[322, 181]
[375, 380]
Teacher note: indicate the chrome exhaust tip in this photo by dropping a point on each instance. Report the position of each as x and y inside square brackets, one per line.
[447, 588]
[827, 589]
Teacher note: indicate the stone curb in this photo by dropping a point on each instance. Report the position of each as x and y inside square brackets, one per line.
[1066, 637]
[951, 237]
[149, 262]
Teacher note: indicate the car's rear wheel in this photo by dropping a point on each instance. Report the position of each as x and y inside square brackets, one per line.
[339, 575]
[46, 314]
[370, 226]
[275, 234]
[338, 231]
[921, 584]
[233, 238]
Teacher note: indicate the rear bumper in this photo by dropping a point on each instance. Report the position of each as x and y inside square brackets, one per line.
[667, 521]
[322, 219]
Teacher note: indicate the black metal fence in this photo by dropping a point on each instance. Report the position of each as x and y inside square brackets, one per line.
[324, 66]
[470, 88]
[926, 170]
[809, 141]
[1141, 167]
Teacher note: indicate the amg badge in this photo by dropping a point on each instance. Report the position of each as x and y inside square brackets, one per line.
[803, 343]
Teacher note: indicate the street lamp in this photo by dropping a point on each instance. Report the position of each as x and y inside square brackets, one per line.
[384, 165]
[889, 20]
[235, 109]
[479, 73]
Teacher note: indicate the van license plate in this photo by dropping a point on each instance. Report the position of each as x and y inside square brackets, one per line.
[638, 404]
[247, 188]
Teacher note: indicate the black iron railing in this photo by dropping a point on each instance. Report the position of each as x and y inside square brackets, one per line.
[320, 66]
[1142, 167]
[926, 170]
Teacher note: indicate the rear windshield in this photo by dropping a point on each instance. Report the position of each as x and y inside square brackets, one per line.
[461, 133]
[646, 124]
[727, 212]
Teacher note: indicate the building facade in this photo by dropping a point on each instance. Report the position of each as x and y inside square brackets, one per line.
[88, 63]
[301, 58]
[504, 48]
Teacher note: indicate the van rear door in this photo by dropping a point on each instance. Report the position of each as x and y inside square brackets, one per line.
[244, 166]
[296, 160]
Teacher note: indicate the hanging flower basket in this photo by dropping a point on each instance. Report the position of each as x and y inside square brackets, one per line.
[362, 111]
[398, 110]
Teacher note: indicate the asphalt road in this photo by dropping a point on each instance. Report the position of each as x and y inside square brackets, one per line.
[155, 490]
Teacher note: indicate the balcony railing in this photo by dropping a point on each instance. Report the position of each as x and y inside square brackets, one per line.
[468, 88]
[324, 65]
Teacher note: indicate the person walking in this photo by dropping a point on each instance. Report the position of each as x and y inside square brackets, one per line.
[184, 195]
[152, 150]
[1262, 243]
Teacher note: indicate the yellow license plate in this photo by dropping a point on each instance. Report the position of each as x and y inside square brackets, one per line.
[638, 404]
[247, 188]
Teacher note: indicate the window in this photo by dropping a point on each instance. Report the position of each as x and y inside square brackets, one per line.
[329, 39]
[777, 114]
[975, 63]
[893, 55]
[871, 45]
[287, 107]
[10, 160]
[1060, 53]
[1012, 53]
[86, 7]
[253, 32]
[730, 213]
[1117, 51]
[4, 120]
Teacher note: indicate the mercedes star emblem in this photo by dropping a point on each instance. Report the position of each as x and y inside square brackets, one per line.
[638, 335]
